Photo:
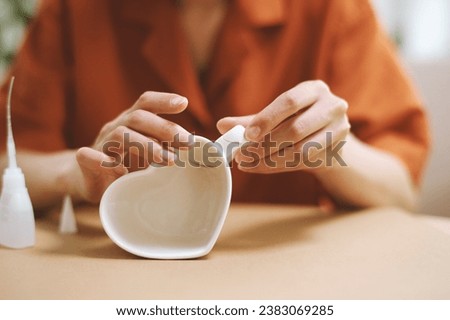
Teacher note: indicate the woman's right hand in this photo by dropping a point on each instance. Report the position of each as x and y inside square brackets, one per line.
[115, 150]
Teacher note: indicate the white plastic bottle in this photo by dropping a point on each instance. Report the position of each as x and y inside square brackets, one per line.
[17, 227]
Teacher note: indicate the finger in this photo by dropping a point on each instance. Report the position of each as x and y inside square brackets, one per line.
[225, 124]
[295, 129]
[310, 153]
[288, 163]
[283, 107]
[122, 141]
[156, 127]
[97, 172]
[160, 103]
[97, 163]
[292, 158]
[318, 116]
[313, 146]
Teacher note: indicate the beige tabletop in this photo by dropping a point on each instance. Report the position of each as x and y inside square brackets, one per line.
[263, 252]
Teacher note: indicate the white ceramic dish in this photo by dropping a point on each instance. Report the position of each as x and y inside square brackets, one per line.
[172, 212]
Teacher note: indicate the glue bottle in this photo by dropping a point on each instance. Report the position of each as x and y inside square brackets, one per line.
[17, 228]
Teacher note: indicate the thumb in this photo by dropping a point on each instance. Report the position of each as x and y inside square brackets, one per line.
[98, 171]
[227, 123]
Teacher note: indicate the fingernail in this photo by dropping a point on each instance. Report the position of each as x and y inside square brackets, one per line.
[178, 101]
[252, 133]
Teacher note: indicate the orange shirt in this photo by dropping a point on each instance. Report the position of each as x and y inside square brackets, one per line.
[83, 62]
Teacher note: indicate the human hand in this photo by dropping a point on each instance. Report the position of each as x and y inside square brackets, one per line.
[304, 128]
[133, 140]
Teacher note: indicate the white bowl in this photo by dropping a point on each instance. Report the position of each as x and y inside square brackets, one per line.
[169, 212]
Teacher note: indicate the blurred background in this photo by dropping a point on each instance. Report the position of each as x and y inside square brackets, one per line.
[420, 28]
[14, 16]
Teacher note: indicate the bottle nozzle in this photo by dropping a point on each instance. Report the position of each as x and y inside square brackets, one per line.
[11, 147]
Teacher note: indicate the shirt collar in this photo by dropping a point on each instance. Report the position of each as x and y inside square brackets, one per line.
[259, 13]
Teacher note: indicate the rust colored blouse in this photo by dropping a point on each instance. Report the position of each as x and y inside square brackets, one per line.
[83, 62]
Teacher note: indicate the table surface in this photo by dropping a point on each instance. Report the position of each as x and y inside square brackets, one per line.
[263, 252]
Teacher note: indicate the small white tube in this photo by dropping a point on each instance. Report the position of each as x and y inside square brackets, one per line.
[231, 141]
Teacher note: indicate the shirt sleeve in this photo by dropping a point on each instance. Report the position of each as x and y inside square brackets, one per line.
[41, 78]
[360, 64]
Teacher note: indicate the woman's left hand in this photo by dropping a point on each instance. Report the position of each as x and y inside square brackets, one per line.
[303, 129]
